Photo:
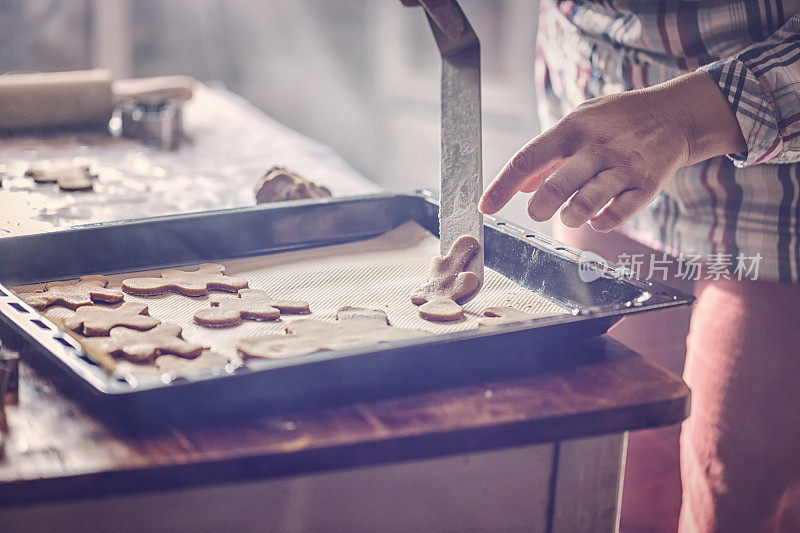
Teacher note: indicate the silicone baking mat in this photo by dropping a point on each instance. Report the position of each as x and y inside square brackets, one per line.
[377, 273]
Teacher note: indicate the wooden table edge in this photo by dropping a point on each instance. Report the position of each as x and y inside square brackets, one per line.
[671, 409]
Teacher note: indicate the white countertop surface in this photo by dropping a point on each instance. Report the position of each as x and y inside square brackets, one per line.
[232, 144]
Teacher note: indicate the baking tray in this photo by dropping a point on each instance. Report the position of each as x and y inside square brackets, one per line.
[534, 261]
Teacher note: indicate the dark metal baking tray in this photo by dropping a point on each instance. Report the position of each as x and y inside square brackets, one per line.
[534, 261]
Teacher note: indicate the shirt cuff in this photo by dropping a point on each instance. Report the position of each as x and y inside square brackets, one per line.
[753, 108]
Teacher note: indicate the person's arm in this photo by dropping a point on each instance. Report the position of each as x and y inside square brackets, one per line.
[762, 86]
[621, 149]
[611, 156]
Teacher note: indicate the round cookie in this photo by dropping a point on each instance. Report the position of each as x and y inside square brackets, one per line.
[441, 309]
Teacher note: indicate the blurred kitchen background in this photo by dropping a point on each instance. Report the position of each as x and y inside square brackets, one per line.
[359, 75]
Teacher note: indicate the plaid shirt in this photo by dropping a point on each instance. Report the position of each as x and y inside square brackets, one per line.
[745, 206]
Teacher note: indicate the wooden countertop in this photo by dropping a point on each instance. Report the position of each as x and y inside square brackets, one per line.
[55, 451]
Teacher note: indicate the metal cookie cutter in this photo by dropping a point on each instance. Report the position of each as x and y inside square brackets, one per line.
[151, 109]
[159, 125]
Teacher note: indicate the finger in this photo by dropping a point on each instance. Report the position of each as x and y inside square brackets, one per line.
[620, 210]
[562, 183]
[593, 197]
[533, 158]
[535, 181]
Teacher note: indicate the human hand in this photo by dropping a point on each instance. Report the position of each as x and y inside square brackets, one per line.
[613, 155]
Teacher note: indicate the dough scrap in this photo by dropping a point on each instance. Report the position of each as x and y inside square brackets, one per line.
[354, 327]
[68, 175]
[73, 294]
[447, 277]
[441, 309]
[96, 321]
[495, 316]
[208, 276]
[144, 346]
[250, 304]
[349, 312]
[280, 184]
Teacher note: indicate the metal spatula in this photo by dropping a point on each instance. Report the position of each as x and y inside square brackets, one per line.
[461, 174]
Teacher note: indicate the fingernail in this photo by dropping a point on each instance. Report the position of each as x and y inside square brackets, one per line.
[487, 206]
[532, 213]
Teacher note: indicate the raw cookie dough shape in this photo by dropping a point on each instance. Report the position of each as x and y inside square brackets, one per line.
[208, 276]
[354, 327]
[250, 304]
[280, 184]
[349, 312]
[145, 346]
[173, 365]
[69, 176]
[441, 309]
[73, 294]
[180, 365]
[95, 321]
[446, 277]
[495, 316]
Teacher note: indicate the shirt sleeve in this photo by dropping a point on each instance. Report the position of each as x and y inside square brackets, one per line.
[762, 85]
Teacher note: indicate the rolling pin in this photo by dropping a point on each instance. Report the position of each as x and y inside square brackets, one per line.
[82, 98]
